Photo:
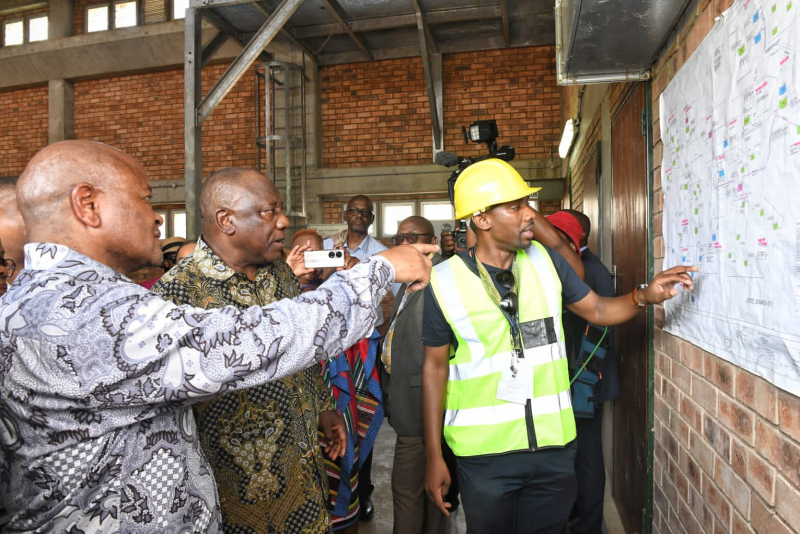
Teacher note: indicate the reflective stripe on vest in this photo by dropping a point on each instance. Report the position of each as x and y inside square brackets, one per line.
[476, 422]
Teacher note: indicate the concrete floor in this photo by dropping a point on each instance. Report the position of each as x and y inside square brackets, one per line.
[382, 497]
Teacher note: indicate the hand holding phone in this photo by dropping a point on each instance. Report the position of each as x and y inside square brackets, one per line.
[323, 259]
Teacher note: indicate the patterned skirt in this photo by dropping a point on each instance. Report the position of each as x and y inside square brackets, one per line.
[353, 379]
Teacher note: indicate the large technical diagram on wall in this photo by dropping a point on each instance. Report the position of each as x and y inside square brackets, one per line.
[730, 128]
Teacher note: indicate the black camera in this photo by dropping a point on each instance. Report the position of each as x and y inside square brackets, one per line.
[478, 132]
[460, 235]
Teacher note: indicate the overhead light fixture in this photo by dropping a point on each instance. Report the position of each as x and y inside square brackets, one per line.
[566, 139]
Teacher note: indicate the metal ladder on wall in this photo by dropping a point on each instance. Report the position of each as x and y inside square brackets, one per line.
[281, 132]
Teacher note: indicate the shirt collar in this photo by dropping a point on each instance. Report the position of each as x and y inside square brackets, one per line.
[584, 248]
[212, 266]
[56, 257]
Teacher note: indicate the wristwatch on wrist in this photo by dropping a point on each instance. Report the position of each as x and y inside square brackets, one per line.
[633, 296]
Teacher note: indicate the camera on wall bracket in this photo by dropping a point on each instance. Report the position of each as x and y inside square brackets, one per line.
[484, 131]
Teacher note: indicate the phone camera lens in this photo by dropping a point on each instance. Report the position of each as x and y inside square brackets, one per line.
[339, 254]
[331, 254]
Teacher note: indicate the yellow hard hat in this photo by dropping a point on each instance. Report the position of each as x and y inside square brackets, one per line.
[487, 183]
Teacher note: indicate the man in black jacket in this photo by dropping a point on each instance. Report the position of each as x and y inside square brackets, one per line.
[401, 382]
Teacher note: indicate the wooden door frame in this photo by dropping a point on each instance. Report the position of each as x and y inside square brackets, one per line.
[647, 516]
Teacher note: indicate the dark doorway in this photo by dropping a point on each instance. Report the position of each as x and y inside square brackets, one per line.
[630, 251]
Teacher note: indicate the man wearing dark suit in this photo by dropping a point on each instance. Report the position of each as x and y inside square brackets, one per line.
[589, 467]
[401, 382]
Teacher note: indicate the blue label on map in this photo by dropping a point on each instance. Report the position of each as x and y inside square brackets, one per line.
[755, 18]
[782, 90]
[725, 143]
[721, 173]
[714, 237]
[757, 38]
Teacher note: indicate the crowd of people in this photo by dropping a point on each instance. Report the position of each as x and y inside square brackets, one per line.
[242, 392]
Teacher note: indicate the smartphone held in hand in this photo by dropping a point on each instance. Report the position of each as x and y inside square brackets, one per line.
[316, 259]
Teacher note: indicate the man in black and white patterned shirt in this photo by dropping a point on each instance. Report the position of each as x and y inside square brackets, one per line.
[97, 374]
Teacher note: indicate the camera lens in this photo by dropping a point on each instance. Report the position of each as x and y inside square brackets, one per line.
[339, 254]
[331, 254]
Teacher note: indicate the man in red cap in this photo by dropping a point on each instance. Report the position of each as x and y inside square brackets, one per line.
[589, 468]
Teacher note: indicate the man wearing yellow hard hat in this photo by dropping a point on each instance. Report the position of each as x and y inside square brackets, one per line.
[495, 363]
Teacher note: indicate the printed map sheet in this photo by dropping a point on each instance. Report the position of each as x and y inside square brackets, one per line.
[730, 128]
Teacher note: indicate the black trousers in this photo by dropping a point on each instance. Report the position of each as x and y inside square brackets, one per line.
[591, 475]
[518, 493]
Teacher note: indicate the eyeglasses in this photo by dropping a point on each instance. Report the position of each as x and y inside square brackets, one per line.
[363, 213]
[9, 266]
[411, 238]
[509, 302]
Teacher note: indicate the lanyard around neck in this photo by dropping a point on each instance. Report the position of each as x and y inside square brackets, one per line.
[513, 321]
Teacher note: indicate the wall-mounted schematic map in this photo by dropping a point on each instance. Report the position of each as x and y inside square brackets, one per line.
[730, 128]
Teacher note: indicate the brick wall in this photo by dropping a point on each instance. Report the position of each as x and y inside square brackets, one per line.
[377, 113]
[727, 443]
[23, 127]
[516, 86]
[142, 114]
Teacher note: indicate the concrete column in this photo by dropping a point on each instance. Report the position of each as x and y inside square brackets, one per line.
[60, 110]
[61, 19]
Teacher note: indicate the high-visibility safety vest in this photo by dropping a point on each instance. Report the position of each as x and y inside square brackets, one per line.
[476, 422]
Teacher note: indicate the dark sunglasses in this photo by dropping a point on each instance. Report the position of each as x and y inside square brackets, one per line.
[411, 238]
[9, 266]
[363, 213]
[509, 302]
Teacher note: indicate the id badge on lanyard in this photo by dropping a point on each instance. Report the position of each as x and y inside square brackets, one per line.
[516, 387]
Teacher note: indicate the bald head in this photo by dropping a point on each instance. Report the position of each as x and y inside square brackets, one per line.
[242, 218]
[93, 198]
[586, 225]
[44, 188]
[419, 224]
[225, 188]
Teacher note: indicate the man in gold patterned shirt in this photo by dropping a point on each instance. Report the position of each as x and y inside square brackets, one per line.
[261, 442]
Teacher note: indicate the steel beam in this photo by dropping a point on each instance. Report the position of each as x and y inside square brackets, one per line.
[427, 48]
[212, 47]
[193, 135]
[341, 17]
[504, 15]
[9, 7]
[222, 24]
[259, 5]
[246, 58]
[432, 18]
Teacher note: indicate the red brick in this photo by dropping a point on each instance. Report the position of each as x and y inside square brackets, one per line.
[790, 460]
[787, 501]
[687, 518]
[716, 501]
[691, 469]
[765, 521]
[692, 357]
[23, 127]
[758, 394]
[740, 526]
[737, 418]
[682, 377]
[761, 476]
[705, 394]
[768, 442]
[701, 452]
[790, 415]
[720, 372]
[691, 412]
[733, 487]
[701, 511]
[717, 437]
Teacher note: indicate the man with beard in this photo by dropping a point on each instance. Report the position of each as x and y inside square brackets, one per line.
[97, 374]
[261, 442]
[495, 362]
